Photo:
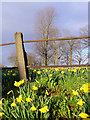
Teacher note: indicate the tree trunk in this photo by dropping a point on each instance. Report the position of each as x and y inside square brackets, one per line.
[71, 56]
[56, 58]
[46, 53]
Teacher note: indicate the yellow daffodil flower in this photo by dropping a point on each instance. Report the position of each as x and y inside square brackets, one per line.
[13, 74]
[32, 108]
[38, 72]
[69, 70]
[4, 74]
[85, 87]
[1, 114]
[8, 74]
[74, 70]
[44, 109]
[28, 99]
[17, 84]
[34, 70]
[50, 75]
[56, 69]
[34, 88]
[83, 115]
[19, 99]
[13, 104]
[80, 102]
[75, 92]
[79, 68]
[21, 81]
[62, 72]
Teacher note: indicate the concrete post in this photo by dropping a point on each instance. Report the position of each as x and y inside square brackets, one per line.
[21, 56]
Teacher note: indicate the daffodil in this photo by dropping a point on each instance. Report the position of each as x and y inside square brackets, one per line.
[74, 70]
[1, 114]
[13, 74]
[13, 104]
[83, 115]
[8, 73]
[21, 81]
[17, 84]
[80, 102]
[62, 72]
[34, 88]
[4, 74]
[56, 69]
[34, 70]
[33, 108]
[75, 92]
[38, 72]
[86, 90]
[28, 99]
[79, 68]
[44, 109]
[69, 70]
[19, 99]
[86, 87]
[50, 75]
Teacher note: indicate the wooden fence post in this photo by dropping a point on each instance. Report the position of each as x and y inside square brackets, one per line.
[21, 57]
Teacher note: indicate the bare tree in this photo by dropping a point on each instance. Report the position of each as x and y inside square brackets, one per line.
[45, 29]
[81, 54]
[80, 57]
[71, 44]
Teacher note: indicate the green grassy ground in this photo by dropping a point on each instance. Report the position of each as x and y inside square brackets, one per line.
[59, 89]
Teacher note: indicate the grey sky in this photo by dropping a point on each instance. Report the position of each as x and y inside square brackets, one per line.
[20, 17]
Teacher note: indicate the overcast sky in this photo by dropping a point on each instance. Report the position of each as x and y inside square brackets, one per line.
[21, 16]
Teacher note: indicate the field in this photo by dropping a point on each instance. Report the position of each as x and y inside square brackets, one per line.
[53, 93]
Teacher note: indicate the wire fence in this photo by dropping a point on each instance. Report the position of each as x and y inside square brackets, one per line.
[43, 40]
